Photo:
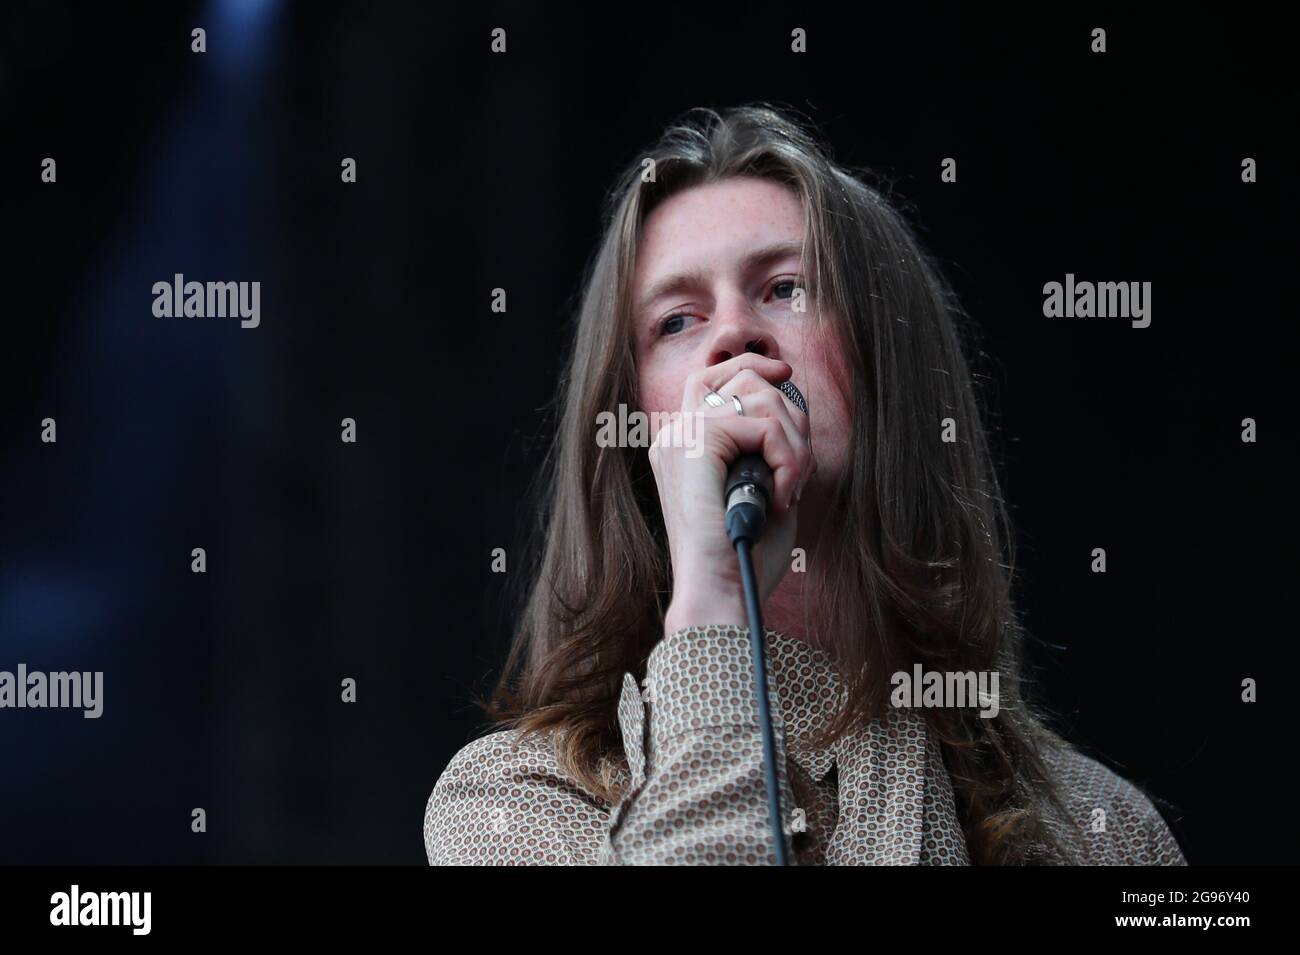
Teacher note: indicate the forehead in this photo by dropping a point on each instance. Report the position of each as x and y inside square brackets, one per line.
[712, 225]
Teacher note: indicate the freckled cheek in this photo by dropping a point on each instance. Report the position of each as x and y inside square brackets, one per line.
[660, 386]
[829, 407]
[656, 394]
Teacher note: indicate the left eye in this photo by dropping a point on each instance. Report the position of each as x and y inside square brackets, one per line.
[791, 283]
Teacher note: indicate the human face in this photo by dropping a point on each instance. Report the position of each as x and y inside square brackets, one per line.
[730, 300]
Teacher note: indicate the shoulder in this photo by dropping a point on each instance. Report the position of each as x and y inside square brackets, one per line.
[502, 753]
[1110, 820]
[502, 799]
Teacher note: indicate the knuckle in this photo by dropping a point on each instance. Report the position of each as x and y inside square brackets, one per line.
[772, 400]
[765, 402]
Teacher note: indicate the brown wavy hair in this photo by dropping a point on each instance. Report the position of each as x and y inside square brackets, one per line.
[923, 559]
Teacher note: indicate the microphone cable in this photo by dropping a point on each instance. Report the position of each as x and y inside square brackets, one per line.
[748, 490]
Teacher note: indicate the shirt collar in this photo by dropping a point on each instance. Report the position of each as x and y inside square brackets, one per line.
[810, 691]
[893, 768]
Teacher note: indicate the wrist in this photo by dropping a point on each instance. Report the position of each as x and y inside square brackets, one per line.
[698, 608]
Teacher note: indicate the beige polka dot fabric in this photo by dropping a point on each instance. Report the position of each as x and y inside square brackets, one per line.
[697, 793]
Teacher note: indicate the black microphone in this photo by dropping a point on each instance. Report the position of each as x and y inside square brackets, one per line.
[749, 488]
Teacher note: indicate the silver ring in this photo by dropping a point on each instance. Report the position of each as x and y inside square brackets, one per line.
[713, 398]
[740, 409]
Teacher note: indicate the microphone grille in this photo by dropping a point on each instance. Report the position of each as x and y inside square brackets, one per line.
[795, 396]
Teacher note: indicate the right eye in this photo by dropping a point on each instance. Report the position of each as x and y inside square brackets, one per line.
[671, 324]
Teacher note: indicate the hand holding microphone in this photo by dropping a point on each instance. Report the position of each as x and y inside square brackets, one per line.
[749, 487]
[754, 419]
[754, 459]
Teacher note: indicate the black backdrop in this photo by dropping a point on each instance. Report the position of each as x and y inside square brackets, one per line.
[372, 561]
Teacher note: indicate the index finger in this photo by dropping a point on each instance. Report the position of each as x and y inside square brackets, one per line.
[715, 376]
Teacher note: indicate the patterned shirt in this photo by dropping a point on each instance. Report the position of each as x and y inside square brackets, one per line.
[697, 792]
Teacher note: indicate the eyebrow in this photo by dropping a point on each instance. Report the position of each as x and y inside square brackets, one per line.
[680, 280]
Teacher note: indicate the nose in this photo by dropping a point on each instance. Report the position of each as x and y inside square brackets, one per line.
[739, 330]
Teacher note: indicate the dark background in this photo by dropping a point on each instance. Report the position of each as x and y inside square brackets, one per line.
[371, 561]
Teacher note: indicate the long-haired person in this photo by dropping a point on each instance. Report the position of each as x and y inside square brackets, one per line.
[624, 728]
